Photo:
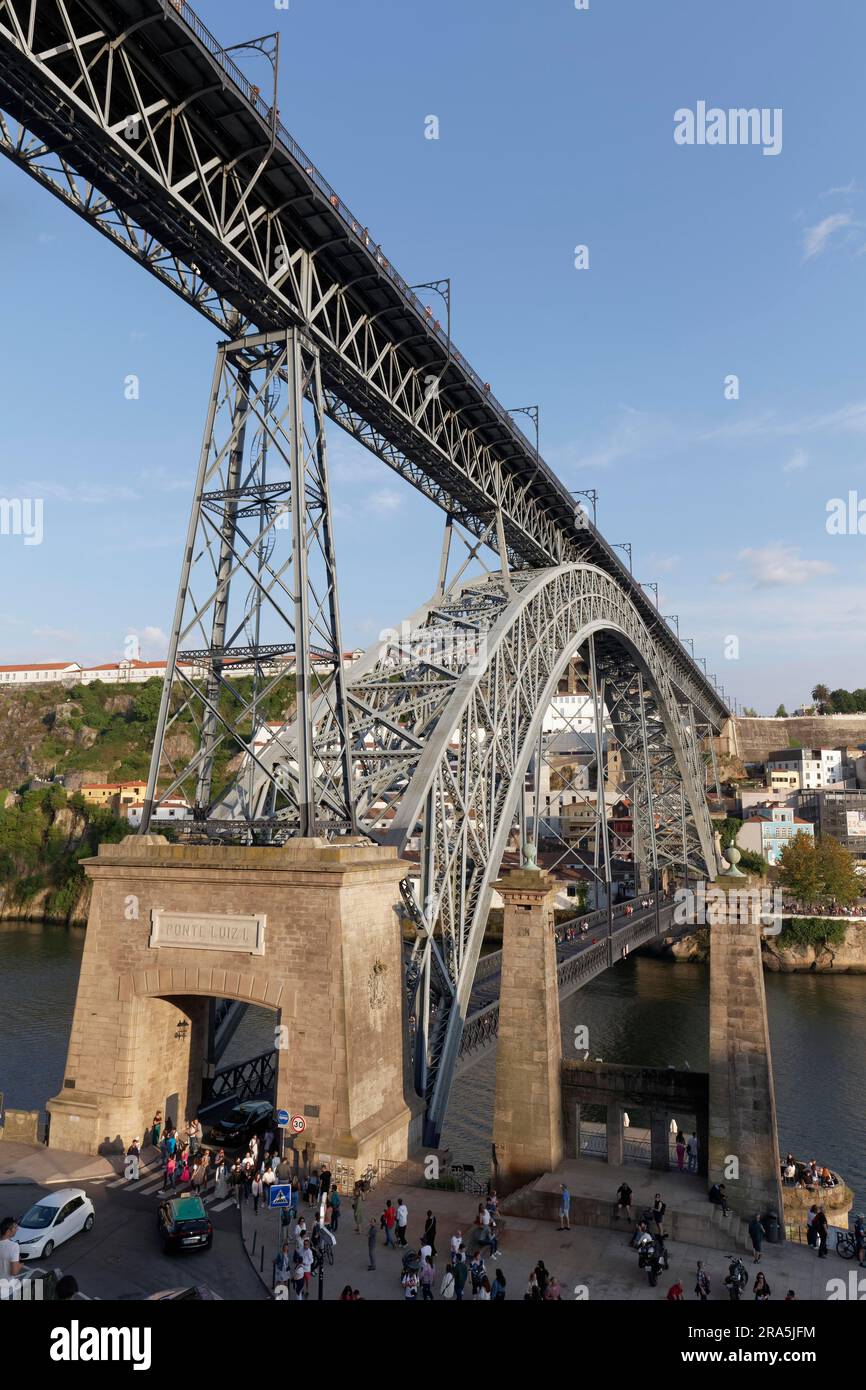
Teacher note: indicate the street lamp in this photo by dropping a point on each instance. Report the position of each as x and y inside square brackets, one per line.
[673, 618]
[650, 585]
[533, 413]
[626, 546]
[592, 496]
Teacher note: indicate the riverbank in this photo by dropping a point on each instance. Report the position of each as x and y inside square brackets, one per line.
[782, 954]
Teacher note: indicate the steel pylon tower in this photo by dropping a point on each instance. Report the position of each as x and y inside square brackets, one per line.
[256, 630]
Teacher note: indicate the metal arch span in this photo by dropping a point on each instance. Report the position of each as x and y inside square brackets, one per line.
[443, 718]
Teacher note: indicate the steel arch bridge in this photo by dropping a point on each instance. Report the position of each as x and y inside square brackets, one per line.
[444, 716]
[133, 115]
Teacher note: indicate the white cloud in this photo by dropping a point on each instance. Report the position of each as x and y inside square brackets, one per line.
[799, 459]
[815, 238]
[384, 501]
[849, 187]
[778, 563]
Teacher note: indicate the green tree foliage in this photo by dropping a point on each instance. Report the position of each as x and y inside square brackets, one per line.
[753, 863]
[781, 712]
[819, 871]
[812, 931]
[749, 712]
[729, 829]
[37, 852]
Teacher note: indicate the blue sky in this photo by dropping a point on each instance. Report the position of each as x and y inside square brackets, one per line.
[556, 129]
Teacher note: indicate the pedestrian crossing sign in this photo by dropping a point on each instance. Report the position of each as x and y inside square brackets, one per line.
[280, 1195]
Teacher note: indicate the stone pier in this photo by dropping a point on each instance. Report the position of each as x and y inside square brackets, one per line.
[744, 1145]
[308, 930]
[527, 1124]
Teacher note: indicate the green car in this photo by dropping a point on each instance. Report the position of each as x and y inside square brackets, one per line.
[183, 1224]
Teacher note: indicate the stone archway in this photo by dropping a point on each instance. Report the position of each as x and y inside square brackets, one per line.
[308, 930]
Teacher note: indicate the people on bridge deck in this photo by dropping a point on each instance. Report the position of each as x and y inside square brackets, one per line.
[429, 1236]
[133, 1156]
[402, 1222]
[681, 1150]
[702, 1283]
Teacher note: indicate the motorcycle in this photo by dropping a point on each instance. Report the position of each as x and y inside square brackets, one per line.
[653, 1257]
[737, 1278]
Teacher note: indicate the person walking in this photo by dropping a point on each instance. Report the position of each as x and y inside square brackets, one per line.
[371, 1244]
[283, 1267]
[811, 1233]
[692, 1153]
[257, 1187]
[389, 1221]
[702, 1283]
[358, 1208]
[681, 1150]
[170, 1173]
[133, 1161]
[821, 1227]
[448, 1287]
[429, 1236]
[426, 1278]
[761, 1289]
[156, 1129]
[335, 1201]
[756, 1235]
[497, 1290]
[461, 1274]
[564, 1206]
[402, 1222]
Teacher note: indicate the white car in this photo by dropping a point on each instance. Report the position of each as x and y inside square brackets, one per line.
[52, 1220]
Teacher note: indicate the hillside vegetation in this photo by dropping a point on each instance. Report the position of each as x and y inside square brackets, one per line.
[86, 733]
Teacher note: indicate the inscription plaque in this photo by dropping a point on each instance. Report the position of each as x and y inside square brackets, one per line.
[208, 931]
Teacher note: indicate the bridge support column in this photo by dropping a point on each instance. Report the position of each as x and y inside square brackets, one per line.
[528, 1118]
[615, 1136]
[743, 1138]
[659, 1140]
[308, 930]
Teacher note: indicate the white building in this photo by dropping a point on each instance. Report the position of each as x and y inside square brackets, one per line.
[40, 672]
[815, 767]
[174, 808]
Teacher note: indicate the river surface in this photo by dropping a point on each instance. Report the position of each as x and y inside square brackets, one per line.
[643, 1011]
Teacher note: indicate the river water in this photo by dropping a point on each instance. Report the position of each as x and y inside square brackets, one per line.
[643, 1011]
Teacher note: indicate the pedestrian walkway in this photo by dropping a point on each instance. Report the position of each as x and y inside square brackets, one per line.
[589, 1264]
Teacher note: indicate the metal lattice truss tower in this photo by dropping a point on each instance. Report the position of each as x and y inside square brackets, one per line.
[257, 601]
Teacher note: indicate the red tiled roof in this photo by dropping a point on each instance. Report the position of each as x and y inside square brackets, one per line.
[42, 666]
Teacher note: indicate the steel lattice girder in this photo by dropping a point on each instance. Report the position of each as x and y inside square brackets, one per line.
[444, 715]
[131, 113]
[258, 565]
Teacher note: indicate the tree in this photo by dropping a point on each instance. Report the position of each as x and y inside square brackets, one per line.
[749, 712]
[842, 701]
[781, 712]
[819, 871]
[821, 696]
[728, 829]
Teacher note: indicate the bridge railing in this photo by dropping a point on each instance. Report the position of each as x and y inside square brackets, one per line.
[255, 1077]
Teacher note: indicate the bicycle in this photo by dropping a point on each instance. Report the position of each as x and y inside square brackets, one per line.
[846, 1245]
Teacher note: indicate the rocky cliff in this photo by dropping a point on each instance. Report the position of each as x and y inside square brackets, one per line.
[847, 958]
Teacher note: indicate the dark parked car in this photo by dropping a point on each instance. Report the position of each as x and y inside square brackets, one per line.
[238, 1125]
[183, 1225]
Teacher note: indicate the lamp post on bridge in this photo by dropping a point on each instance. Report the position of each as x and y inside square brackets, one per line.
[443, 289]
[592, 496]
[533, 412]
[673, 618]
[626, 546]
[650, 584]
